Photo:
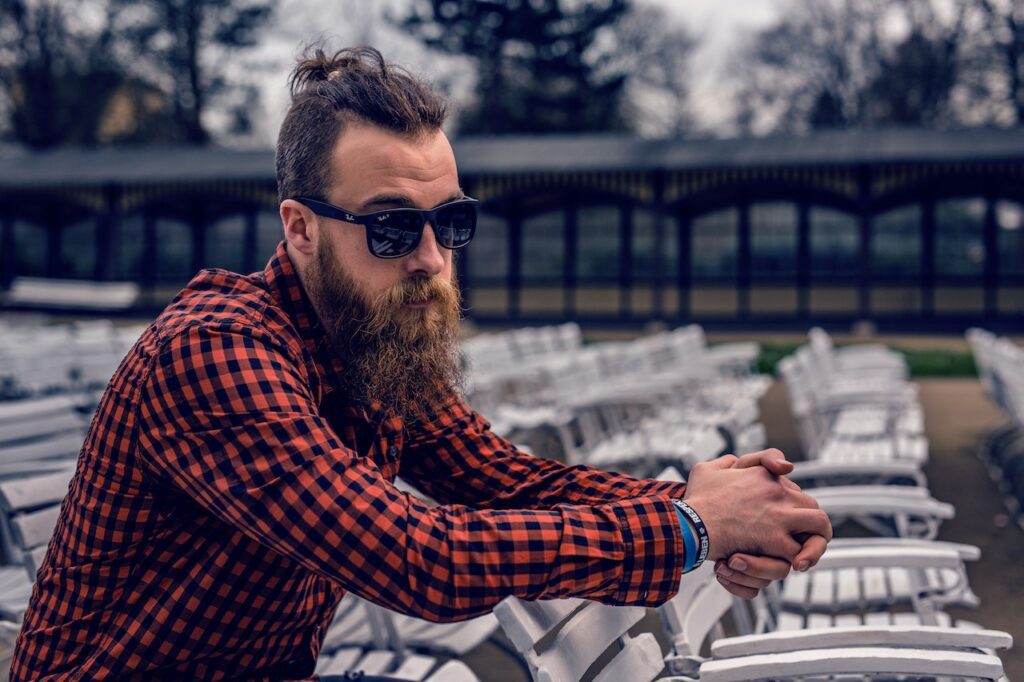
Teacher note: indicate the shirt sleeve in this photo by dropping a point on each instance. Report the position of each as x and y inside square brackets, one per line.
[453, 456]
[226, 417]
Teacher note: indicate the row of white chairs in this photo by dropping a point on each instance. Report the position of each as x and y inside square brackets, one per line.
[634, 406]
[38, 359]
[1000, 364]
[854, 404]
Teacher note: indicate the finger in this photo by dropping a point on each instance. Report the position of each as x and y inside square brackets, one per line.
[723, 462]
[786, 483]
[741, 578]
[811, 521]
[740, 591]
[765, 567]
[814, 546]
[772, 459]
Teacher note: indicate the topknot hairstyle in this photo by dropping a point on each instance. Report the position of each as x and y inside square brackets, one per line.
[354, 83]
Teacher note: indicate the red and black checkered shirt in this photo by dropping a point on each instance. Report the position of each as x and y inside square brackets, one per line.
[228, 495]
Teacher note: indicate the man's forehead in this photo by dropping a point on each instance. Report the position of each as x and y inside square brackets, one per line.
[365, 150]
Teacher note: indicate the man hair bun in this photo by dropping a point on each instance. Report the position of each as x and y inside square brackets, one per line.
[315, 66]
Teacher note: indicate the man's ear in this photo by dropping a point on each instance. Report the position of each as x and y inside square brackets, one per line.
[300, 229]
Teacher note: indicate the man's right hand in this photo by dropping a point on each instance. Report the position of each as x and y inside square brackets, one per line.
[748, 507]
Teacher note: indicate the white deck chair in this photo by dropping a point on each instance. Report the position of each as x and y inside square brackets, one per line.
[30, 509]
[582, 631]
[865, 650]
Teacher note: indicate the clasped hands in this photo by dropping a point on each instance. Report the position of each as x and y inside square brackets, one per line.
[761, 524]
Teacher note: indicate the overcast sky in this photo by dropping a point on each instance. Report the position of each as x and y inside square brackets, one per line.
[720, 26]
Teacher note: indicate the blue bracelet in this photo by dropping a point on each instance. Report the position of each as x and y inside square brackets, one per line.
[689, 544]
[700, 529]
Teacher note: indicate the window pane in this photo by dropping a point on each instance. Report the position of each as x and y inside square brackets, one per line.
[835, 243]
[78, 250]
[128, 249]
[269, 234]
[645, 249]
[544, 245]
[30, 248]
[488, 252]
[225, 244]
[773, 239]
[896, 242]
[959, 238]
[1010, 219]
[173, 251]
[714, 240]
[597, 242]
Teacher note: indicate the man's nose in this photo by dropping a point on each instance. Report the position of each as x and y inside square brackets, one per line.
[427, 259]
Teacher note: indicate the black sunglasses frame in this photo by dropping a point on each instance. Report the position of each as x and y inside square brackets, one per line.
[372, 221]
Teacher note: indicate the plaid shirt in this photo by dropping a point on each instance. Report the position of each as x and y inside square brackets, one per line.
[228, 495]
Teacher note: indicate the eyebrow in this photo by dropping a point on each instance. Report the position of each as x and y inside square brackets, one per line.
[382, 201]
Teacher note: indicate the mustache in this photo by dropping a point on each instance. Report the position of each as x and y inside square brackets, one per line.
[381, 312]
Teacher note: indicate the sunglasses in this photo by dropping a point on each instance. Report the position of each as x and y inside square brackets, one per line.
[396, 232]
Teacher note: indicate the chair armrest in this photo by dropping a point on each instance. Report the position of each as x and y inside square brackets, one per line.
[924, 636]
[853, 661]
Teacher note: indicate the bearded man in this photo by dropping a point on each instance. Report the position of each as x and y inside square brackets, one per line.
[238, 478]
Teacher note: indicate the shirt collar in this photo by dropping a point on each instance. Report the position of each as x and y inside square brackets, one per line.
[283, 282]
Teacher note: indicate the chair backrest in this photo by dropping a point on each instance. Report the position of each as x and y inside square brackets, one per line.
[562, 639]
[30, 509]
[691, 615]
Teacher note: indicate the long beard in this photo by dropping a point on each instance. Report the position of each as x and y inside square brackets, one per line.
[403, 357]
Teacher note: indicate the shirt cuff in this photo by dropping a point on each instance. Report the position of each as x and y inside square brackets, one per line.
[653, 561]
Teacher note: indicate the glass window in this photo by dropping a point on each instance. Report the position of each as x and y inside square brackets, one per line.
[835, 243]
[78, 250]
[225, 244]
[959, 237]
[488, 252]
[173, 251]
[645, 249]
[598, 229]
[896, 242]
[1010, 220]
[31, 243]
[714, 239]
[128, 245]
[773, 239]
[269, 233]
[544, 245]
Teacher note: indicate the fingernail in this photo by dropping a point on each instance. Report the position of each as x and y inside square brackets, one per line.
[738, 564]
[803, 565]
[724, 570]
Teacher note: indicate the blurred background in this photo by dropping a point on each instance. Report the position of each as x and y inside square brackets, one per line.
[751, 164]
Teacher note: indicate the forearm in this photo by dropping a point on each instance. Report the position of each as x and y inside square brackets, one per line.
[464, 461]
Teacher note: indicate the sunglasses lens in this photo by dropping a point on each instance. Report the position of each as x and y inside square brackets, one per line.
[456, 224]
[395, 233]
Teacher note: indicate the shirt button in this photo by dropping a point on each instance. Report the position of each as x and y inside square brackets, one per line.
[392, 451]
[643, 596]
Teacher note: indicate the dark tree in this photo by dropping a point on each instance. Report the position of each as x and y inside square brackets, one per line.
[185, 47]
[1004, 47]
[541, 64]
[838, 63]
[57, 80]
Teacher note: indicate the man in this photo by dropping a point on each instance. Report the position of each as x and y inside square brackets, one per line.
[238, 477]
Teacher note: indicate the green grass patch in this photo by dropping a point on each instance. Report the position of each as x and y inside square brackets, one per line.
[939, 363]
[922, 362]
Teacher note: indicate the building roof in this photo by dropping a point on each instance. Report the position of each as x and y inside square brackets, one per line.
[140, 165]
